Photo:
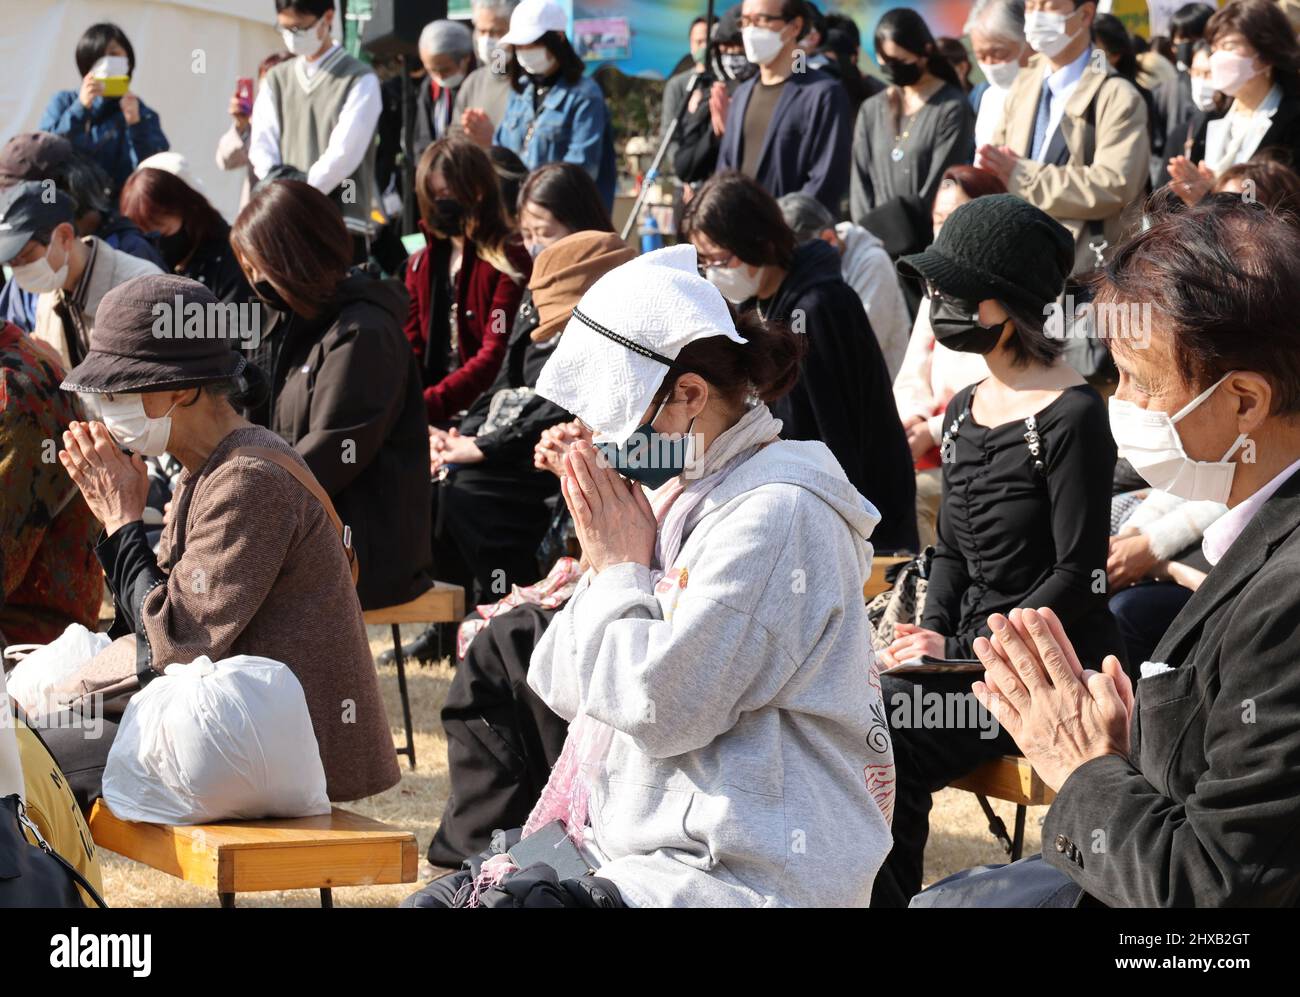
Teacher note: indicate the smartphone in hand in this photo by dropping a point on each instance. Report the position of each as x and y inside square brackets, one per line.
[244, 94]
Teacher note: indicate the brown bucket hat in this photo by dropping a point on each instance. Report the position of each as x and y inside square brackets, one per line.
[565, 270]
[139, 342]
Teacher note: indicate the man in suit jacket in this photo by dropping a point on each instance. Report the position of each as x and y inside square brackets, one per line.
[1073, 141]
[788, 126]
[1187, 791]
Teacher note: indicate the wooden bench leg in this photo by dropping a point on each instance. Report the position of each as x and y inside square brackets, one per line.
[227, 900]
[1018, 839]
[400, 660]
[326, 898]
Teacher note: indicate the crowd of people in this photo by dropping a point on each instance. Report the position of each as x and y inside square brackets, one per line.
[1035, 332]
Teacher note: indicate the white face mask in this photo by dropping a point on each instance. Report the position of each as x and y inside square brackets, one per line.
[1202, 94]
[1229, 72]
[1045, 32]
[450, 82]
[1000, 74]
[304, 43]
[111, 65]
[762, 45]
[38, 277]
[1150, 442]
[131, 428]
[485, 46]
[537, 62]
[737, 284]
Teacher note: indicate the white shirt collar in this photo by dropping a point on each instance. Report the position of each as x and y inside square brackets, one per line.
[1223, 532]
[311, 65]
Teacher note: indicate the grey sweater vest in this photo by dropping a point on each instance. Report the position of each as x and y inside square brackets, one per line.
[308, 110]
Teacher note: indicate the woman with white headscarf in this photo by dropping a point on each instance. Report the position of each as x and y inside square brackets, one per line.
[727, 742]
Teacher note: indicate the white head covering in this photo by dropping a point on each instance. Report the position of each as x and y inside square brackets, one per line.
[177, 165]
[11, 766]
[624, 334]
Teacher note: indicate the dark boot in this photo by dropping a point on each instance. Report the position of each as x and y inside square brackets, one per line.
[437, 640]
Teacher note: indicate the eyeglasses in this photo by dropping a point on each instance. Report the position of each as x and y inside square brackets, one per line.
[760, 20]
[723, 264]
[299, 31]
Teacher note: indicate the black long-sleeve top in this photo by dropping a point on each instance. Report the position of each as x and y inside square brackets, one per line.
[1017, 529]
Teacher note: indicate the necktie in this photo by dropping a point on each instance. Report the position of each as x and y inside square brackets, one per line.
[1040, 123]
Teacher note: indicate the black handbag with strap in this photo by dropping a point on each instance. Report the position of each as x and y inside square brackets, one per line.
[35, 875]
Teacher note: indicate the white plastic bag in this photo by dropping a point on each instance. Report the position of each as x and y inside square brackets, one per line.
[230, 740]
[38, 674]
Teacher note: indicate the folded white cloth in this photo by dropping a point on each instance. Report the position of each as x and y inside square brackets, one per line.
[1149, 668]
[625, 332]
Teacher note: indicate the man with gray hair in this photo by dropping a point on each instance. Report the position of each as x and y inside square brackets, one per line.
[487, 89]
[997, 38]
[447, 54]
[865, 266]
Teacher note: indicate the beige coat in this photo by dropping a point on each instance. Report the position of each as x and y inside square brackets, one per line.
[255, 567]
[112, 267]
[1109, 156]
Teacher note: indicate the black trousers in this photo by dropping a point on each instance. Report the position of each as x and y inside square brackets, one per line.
[487, 525]
[929, 753]
[502, 740]
[81, 749]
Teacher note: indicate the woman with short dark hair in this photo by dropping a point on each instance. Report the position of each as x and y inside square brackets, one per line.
[1025, 519]
[344, 386]
[555, 113]
[192, 237]
[103, 116]
[842, 396]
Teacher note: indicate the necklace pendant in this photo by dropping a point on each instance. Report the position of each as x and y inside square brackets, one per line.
[897, 154]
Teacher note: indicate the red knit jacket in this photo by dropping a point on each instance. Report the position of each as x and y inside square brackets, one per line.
[488, 300]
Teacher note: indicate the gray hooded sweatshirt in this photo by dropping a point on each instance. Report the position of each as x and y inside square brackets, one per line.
[750, 763]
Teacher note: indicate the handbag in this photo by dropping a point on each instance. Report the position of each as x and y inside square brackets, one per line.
[904, 602]
[35, 875]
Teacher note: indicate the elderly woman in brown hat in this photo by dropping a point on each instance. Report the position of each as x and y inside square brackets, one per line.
[252, 559]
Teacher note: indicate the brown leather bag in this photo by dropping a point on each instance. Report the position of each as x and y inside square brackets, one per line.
[308, 481]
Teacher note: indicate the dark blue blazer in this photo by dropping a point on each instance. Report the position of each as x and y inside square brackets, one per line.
[808, 144]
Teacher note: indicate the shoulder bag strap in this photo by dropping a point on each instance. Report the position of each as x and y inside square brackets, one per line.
[309, 482]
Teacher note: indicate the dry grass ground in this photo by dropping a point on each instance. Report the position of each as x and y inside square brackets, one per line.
[959, 837]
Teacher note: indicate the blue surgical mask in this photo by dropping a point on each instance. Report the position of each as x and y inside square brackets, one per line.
[649, 457]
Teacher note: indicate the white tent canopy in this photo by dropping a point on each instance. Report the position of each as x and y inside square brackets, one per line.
[188, 55]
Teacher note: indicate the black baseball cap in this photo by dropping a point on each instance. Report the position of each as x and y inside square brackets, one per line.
[29, 208]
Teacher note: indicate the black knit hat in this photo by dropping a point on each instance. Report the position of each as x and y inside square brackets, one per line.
[997, 246]
[140, 342]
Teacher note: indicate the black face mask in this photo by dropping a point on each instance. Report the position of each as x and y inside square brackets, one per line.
[174, 248]
[900, 73]
[957, 326]
[447, 216]
[1183, 53]
[271, 297]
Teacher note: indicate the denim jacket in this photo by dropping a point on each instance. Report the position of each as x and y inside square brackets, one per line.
[572, 126]
[102, 131]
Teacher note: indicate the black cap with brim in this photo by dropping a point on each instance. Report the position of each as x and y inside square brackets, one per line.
[29, 208]
[128, 354]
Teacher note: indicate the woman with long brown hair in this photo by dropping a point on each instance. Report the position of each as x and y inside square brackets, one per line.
[466, 284]
[344, 389]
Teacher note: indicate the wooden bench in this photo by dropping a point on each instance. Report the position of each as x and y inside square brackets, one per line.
[442, 603]
[1013, 779]
[335, 849]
